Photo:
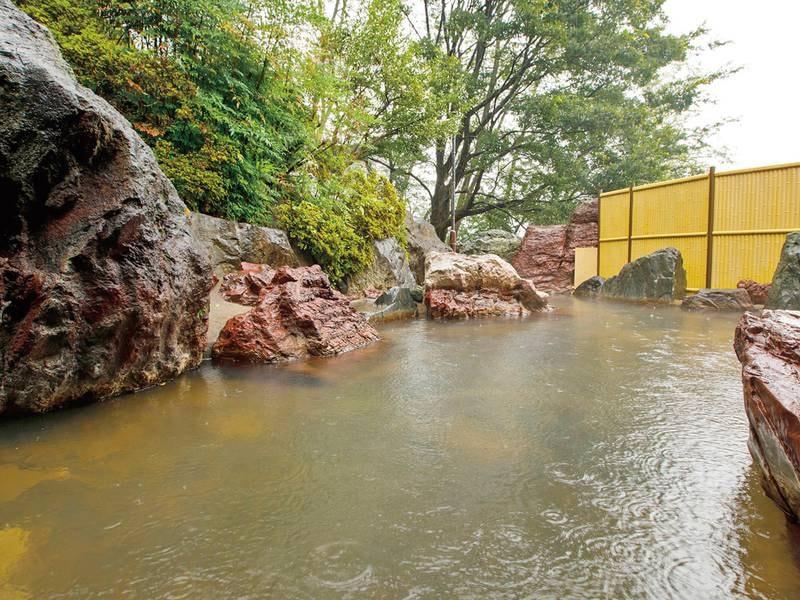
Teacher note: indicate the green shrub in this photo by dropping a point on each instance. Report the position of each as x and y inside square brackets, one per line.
[197, 85]
[337, 224]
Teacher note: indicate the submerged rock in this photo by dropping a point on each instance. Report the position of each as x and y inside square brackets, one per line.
[768, 347]
[389, 268]
[657, 277]
[547, 253]
[298, 315]
[461, 287]
[422, 239]
[785, 290]
[493, 241]
[589, 288]
[758, 292]
[709, 299]
[103, 289]
[230, 243]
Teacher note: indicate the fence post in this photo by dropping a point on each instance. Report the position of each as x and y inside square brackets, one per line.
[630, 222]
[599, 198]
[710, 229]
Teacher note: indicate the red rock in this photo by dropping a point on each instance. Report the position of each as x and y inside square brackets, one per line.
[547, 254]
[298, 315]
[759, 292]
[245, 286]
[541, 257]
[452, 304]
[459, 287]
[768, 347]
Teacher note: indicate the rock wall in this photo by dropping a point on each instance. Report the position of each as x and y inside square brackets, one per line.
[102, 287]
[547, 253]
[767, 346]
[229, 244]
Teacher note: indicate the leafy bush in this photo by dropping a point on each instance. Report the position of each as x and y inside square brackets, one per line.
[337, 224]
[196, 84]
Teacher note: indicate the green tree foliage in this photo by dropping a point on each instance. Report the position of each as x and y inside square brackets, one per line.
[335, 223]
[559, 99]
[196, 84]
[287, 110]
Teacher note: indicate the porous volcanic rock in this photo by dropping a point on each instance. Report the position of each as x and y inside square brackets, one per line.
[230, 243]
[461, 287]
[656, 277]
[298, 315]
[389, 268]
[547, 253]
[759, 292]
[493, 241]
[711, 299]
[422, 239]
[785, 290]
[589, 288]
[103, 289]
[768, 347]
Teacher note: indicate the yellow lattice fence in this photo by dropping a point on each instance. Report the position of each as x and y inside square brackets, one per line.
[751, 211]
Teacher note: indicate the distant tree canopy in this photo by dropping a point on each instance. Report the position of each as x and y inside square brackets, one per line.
[316, 114]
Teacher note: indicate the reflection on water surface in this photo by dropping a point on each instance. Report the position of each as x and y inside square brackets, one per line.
[598, 451]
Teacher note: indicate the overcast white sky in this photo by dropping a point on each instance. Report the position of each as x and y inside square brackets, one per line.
[765, 94]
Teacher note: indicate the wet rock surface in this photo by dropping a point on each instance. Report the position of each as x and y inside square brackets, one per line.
[229, 243]
[547, 253]
[298, 315]
[493, 241]
[657, 277]
[389, 268]
[785, 290]
[103, 289]
[396, 304]
[461, 287]
[758, 292]
[736, 299]
[589, 288]
[246, 286]
[422, 239]
[768, 347]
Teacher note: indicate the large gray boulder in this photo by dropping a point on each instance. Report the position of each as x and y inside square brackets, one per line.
[736, 299]
[589, 288]
[785, 290]
[492, 241]
[657, 277]
[389, 268]
[103, 289]
[230, 243]
[422, 240]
